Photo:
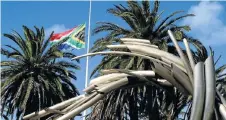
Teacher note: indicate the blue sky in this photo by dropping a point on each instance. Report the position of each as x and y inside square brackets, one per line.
[209, 25]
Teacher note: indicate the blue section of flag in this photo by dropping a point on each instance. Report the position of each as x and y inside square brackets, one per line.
[64, 46]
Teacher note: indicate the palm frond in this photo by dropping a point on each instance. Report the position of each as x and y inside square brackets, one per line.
[220, 69]
[27, 95]
[167, 18]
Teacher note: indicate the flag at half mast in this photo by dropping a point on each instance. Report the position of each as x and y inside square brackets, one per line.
[76, 38]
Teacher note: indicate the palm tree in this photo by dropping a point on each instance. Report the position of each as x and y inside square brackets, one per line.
[141, 101]
[34, 76]
[145, 24]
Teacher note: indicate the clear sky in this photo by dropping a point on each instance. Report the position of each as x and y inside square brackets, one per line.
[209, 25]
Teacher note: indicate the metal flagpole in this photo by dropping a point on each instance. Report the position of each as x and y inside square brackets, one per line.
[87, 58]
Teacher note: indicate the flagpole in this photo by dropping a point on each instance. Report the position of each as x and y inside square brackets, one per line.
[87, 51]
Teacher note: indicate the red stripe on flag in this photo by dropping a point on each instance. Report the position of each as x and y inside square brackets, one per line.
[59, 35]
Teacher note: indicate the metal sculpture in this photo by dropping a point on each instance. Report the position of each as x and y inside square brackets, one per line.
[181, 72]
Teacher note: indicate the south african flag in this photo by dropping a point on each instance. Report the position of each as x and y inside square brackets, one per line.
[76, 38]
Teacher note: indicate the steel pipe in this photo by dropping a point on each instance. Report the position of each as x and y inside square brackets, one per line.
[135, 40]
[199, 92]
[181, 54]
[182, 78]
[142, 44]
[106, 89]
[166, 74]
[210, 89]
[222, 110]
[189, 54]
[114, 76]
[156, 53]
[120, 53]
[57, 106]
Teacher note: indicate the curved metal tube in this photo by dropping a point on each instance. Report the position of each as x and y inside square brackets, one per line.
[181, 54]
[140, 76]
[120, 53]
[161, 81]
[221, 98]
[139, 72]
[136, 40]
[138, 43]
[84, 100]
[166, 74]
[164, 82]
[106, 89]
[67, 107]
[182, 78]
[222, 110]
[89, 88]
[199, 92]
[115, 76]
[81, 108]
[57, 106]
[210, 89]
[79, 102]
[107, 78]
[189, 54]
[153, 52]
[171, 62]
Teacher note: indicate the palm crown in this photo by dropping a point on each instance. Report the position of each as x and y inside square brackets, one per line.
[34, 76]
[145, 24]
